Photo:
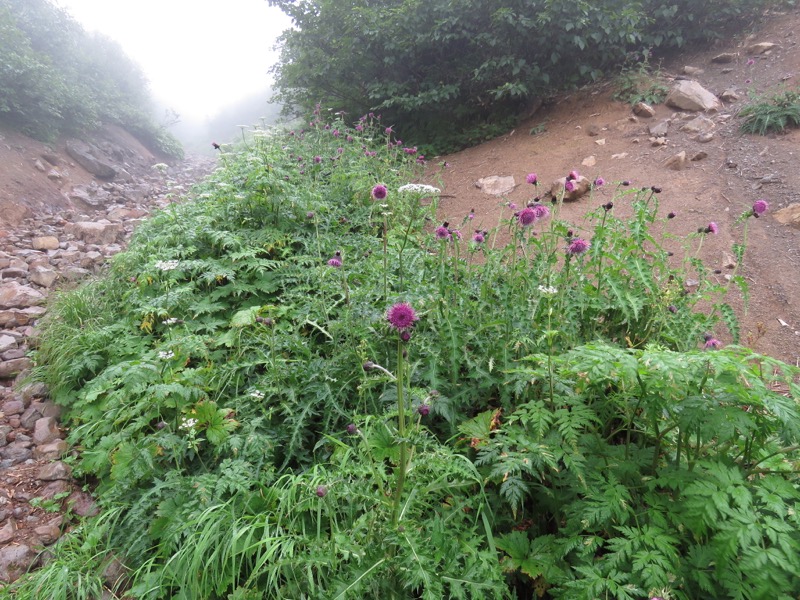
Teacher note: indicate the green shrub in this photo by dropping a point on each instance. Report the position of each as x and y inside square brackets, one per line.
[772, 115]
[441, 69]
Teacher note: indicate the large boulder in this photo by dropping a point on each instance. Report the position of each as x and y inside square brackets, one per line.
[690, 95]
[84, 155]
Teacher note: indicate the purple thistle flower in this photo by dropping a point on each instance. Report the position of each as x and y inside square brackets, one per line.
[599, 181]
[410, 150]
[420, 160]
[512, 206]
[335, 262]
[424, 409]
[712, 228]
[310, 214]
[541, 211]
[760, 207]
[339, 150]
[388, 131]
[750, 61]
[352, 429]
[321, 491]
[578, 246]
[573, 175]
[359, 128]
[471, 214]
[405, 336]
[569, 186]
[455, 233]
[317, 159]
[712, 344]
[527, 216]
[349, 138]
[442, 232]
[532, 178]
[401, 316]
[478, 238]
[379, 192]
[671, 215]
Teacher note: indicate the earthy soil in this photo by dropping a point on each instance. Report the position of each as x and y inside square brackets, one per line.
[738, 170]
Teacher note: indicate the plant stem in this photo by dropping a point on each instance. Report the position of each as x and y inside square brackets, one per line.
[401, 432]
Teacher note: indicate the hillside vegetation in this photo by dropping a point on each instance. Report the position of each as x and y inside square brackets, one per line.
[452, 73]
[292, 387]
[56, 78]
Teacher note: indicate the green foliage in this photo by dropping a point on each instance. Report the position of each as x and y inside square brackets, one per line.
[656, 483]
[772, 115]
[637, 83]
[442, 68]
[256, 428]
[55, 78]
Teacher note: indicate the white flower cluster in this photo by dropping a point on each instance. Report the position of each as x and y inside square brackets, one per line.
[166, 354]
[187, 424]
[258, 395]
[420, 188]
[548, 290]
[166, 265]
[170, 321]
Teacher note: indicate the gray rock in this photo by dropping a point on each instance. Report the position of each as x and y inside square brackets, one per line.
[496, 185]
[676, 162]
[690, 95]
[45, 430]
[53, 450]
[15, 453]
[47, 242]
[642, 109]
[84, 155]
[699, 124]
[14, 561]
[95, 232]
[725, 57]
[659, 129]
[42, 276]
[761, 47]
[15, 295]
[581, 187]
[54, 470]
[11, 368]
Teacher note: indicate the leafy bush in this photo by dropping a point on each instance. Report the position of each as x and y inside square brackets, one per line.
[637, 83]
[443, 68]
[294, 386]
[773, 114]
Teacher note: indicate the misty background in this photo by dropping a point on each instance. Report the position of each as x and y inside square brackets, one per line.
[207, 63]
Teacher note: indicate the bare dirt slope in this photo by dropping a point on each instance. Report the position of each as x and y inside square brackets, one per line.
[587, 127]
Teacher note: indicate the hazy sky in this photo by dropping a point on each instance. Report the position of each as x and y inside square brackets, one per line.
[199, 55]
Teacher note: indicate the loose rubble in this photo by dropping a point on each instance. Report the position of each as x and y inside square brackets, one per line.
[36, 257]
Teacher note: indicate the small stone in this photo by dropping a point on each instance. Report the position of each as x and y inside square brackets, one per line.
[729, 96]
[42, 276]
[496, 185]
[45, 430]
[13, 407]
[699, 124]
[659, 129]
[82, 504]
[7, 531]
[699, 156]
[54, 470]
[761, 47]
[725, 57]
[728, 260]
[657, 141]
[593, 130]
[589, 161]
[52, 450]
[676, 162]
[687, 70]
[49, 532]
[45, 243]
[15, 559]
[642, 109]
[704, 138]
